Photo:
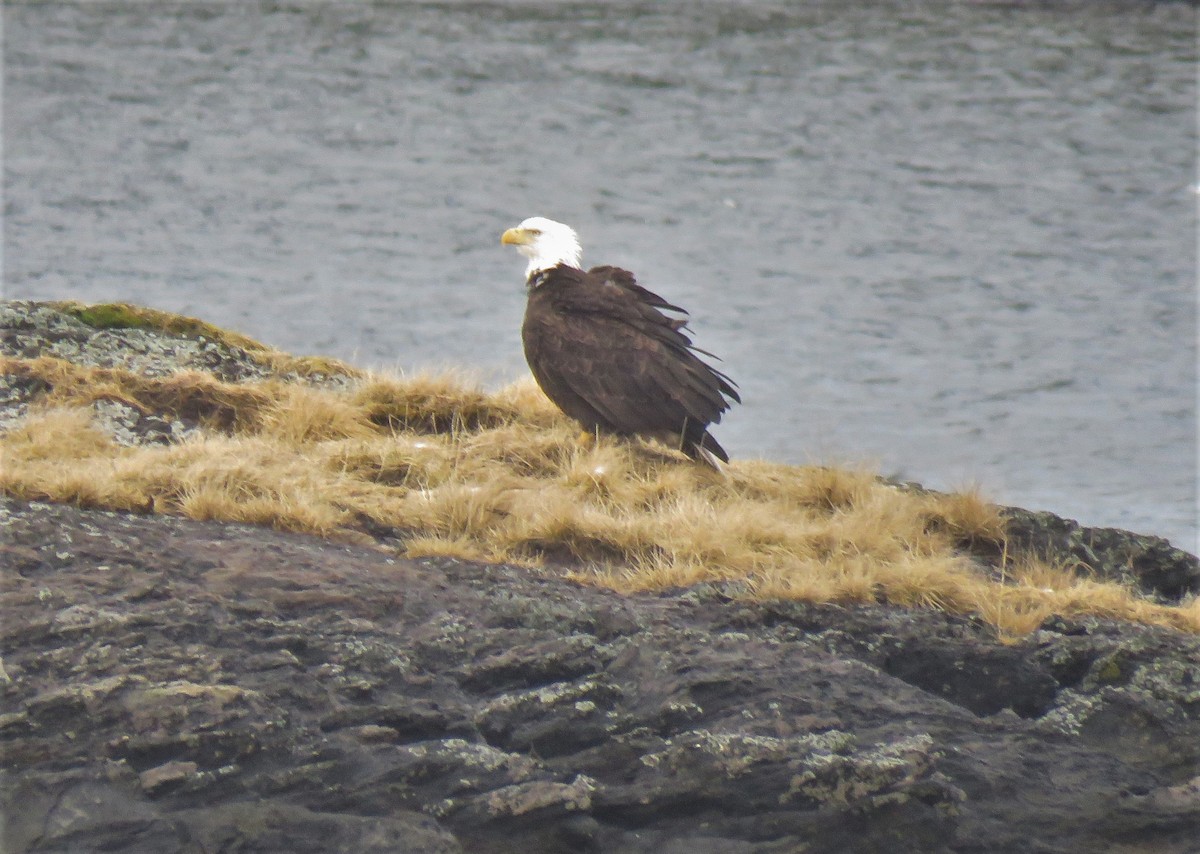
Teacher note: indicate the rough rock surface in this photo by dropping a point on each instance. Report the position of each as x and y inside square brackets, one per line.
[1151, 564]
[172, 685]
[32, 329]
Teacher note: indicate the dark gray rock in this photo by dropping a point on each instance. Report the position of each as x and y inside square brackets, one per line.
[29, 330]
[1147, 563]
[172, 685]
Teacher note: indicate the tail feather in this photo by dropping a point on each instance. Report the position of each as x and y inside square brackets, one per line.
[705, 449]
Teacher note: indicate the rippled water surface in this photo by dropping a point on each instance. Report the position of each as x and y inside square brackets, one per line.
[953, 241]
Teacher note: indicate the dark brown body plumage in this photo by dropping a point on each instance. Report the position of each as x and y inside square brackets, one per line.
[602, 349]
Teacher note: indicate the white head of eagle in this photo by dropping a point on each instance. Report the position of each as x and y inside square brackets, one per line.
[545, 243]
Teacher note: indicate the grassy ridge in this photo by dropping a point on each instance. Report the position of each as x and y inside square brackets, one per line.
[442, 468]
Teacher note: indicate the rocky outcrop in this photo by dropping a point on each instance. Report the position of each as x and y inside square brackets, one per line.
[1148, 563]
[157, 344]
[174, 685]
[146, 342]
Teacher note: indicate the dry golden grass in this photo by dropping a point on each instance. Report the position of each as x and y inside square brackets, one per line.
[450, 470]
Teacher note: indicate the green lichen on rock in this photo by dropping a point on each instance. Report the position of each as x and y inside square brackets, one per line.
[1110, 671]
[538, 795]
[120, 315]
[843, 777]
[146, 342]
[152, 342]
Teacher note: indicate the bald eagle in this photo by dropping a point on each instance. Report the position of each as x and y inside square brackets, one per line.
[601, 347]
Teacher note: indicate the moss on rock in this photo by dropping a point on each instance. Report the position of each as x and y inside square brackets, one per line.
[121, 315]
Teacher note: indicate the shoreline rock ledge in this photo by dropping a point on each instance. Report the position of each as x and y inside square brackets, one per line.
[172, 685]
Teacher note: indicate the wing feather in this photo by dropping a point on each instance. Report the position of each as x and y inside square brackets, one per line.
[602, 349]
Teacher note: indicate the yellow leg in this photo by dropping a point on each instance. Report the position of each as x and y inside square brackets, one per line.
[586, 439]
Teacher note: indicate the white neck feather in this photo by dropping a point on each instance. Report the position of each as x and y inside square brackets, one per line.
[550, 250]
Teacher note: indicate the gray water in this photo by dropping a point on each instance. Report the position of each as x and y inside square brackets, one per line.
[954, 242]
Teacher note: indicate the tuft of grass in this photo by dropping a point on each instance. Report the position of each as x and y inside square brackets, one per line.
[435, 545]
[437, 466]
[299, 415]
[428, 403]
[965, 516]
[188, 395]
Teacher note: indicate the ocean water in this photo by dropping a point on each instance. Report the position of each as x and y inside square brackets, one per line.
[950, 241]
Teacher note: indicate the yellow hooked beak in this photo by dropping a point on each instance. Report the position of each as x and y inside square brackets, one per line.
[515, 237]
